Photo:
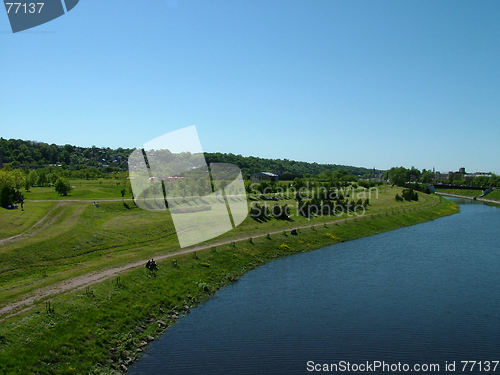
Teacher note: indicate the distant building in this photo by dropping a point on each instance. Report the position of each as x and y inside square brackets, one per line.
[444, 176]
[469, 177]
[461, 170]
[264, 176]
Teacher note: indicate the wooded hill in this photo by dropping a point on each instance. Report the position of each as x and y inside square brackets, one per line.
[20, 153]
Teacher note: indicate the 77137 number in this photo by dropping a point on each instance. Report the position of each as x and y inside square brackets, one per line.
[28, 8]
[480, 365]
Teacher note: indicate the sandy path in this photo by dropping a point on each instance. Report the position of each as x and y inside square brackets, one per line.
[466, 197]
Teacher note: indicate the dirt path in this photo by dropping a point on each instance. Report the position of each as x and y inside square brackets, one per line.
[83, 281]
[37, 227]
[467, 197]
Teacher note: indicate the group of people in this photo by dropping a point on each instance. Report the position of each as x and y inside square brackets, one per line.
[151, 265]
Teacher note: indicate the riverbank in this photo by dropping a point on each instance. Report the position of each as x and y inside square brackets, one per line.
[476, 198]
[105, 328]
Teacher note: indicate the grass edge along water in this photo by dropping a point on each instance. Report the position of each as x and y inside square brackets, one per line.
[105, 328]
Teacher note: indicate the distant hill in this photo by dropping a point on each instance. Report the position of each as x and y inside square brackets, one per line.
[18, 152]
[287, 169]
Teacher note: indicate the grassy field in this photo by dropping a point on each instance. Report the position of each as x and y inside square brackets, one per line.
[13, 222]
[82, 189]
[101, 327]
[82, 238]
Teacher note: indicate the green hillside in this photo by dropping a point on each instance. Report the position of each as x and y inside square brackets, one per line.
[94, 161]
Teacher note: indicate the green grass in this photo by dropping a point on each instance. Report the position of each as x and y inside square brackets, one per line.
[464, 192]
[13, 222]
[495, 195]
[82, 189]
[82, 238]
[85, 330]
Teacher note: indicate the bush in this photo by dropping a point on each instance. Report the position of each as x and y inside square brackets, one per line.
[62, 186]
[280, 212]
[6, 196]
[410, 195]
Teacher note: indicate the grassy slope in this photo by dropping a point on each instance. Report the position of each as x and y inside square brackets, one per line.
[85, 329]
[464, 192]
[13, 222]
[495, 195]
[83, 238]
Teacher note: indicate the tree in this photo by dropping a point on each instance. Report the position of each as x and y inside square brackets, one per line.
[6, 196]
[30, 180]
[62, 186]
[27, 184]
[18, 179]
[399, 176]
[427, 177]
[42, 179]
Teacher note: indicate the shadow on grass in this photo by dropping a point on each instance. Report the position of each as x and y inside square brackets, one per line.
[261, 219]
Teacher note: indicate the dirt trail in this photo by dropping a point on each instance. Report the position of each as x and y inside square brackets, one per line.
[37, 227]
[467, 197]
[83, 281]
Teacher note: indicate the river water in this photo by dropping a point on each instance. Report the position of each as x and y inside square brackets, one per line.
[426, 294]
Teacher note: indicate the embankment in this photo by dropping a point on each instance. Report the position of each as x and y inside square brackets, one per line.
[105, 328]
[446, 194]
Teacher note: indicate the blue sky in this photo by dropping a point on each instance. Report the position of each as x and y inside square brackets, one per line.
[364, 83]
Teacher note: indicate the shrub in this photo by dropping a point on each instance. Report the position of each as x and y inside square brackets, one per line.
[6, 196]
[410, 195]
[62, 186]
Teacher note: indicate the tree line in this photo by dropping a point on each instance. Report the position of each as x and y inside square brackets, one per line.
[93, 162]
[402, 176]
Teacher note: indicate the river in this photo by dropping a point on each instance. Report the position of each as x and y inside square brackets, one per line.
[426, 294]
